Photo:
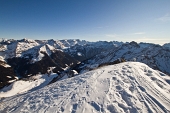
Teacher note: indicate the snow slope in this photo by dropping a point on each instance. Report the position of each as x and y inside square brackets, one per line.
[126, 87]
[22, 86]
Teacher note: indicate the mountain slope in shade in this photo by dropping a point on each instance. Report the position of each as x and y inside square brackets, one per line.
[28, 57]
[84, 52]
[155, 56]
[122, 88]
[7, 74]
[167, 45]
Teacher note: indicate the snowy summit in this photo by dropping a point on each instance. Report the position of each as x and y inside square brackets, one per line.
[129, 87]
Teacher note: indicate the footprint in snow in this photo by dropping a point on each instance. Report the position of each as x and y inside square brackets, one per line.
[112, 108]
[132, 78]
[119, 88]
[160, 84]
[126, 81]
[153, 78]
[124, 68]
[128, 71]
[149, 71]
[141, 88]
[132, 88]
[162, 74]
[114, 78]
[128, 66]
[74, 108]
[95, 105]
[149, 74]
[123, 71]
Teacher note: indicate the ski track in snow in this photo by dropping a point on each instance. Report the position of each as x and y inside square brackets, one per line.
[123, 88]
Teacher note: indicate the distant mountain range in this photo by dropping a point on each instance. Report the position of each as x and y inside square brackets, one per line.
[20, 59]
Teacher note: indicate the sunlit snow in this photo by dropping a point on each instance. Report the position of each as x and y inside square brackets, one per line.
[129, 87]
[31, 84]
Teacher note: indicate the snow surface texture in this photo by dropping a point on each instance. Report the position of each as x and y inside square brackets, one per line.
[126, 87]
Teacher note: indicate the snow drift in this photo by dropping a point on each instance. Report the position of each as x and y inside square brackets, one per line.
[126, 87]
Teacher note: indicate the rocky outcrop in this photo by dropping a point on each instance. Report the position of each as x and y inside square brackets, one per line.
[7, 74]
[58, 60]
[120, 60]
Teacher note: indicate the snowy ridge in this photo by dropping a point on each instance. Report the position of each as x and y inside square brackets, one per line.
[126, 87]
[152, 55]
[24, 46]
[20, 48]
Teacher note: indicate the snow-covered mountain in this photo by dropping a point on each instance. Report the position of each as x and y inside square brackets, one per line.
[84, 52]
[27, 57]
[155, 56]
[129, 87]
[25, 47]
[21, 48]
[167, 45]
[30, 57]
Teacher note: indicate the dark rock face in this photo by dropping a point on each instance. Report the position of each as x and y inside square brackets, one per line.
[20, 65]
[41, 66]
[84, 65]
[6, 74]
[112, 63]
[85, 52]
[62, 59]
[58, 59]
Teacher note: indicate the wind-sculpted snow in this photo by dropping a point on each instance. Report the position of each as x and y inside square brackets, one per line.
[122, 88]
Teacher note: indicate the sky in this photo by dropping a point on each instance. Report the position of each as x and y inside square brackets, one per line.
[92, 20]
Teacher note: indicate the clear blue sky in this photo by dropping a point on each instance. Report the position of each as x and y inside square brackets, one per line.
[93, 20]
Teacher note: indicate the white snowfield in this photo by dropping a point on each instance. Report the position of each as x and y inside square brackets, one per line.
[129, 87]
[22, 86]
